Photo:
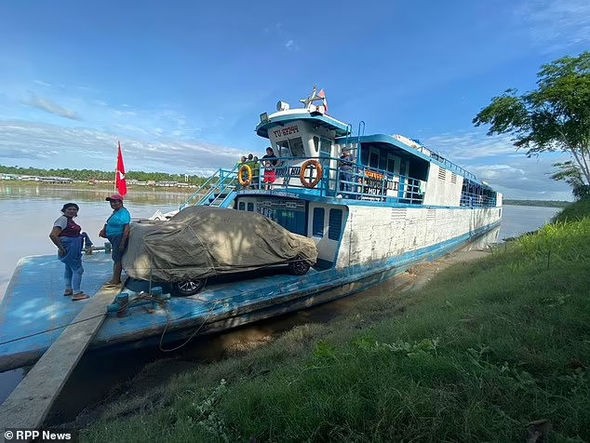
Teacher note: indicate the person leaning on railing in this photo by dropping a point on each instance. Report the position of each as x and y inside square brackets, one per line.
[346, 165]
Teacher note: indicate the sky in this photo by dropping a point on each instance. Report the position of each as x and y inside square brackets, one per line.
[182, 83]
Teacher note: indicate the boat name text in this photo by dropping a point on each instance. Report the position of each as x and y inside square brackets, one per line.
[285, 131]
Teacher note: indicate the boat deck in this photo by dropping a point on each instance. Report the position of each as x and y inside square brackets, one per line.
[34, 311]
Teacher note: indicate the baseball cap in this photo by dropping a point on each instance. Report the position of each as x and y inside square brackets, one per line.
[114, 197]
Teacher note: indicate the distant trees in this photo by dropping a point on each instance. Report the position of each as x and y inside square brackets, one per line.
[554, 117]
[91, 175]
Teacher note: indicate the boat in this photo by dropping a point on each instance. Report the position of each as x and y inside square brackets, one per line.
[374, 205]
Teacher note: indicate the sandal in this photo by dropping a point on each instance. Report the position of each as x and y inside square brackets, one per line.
[112, 285]
[80, 296]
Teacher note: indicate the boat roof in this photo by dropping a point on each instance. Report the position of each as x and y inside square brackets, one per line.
[279, 118]
[412, 148]
[343, 133]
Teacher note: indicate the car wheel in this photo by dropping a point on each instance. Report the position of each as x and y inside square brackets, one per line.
[188, 287]
[299, 266]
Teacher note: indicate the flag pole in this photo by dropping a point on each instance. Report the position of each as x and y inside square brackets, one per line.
[117, 157]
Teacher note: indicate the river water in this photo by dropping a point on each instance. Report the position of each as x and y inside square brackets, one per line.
[27, 214]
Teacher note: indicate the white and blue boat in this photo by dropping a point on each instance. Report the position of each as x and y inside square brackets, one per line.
[388, 205]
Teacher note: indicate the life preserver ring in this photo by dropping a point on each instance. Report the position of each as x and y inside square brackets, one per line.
[311, 164]
[245, 182]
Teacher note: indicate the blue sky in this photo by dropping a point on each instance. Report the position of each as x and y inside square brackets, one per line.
[182, 83]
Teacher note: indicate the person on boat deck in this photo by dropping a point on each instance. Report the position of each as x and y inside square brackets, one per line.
[66, 235]
[270, 161]
[346, 165]
[252, 162]
[256, 173]
[116, 230]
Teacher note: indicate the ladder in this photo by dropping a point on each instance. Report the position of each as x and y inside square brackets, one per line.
[219, 190]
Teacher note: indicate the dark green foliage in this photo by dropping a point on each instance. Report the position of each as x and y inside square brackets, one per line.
[91, 175]
[554, 117]
[544, 203]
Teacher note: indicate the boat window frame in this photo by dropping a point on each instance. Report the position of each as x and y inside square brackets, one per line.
[318, 221]
[335, 225]
[377, 151]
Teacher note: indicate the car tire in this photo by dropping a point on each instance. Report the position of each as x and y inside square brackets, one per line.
[299, 266]
[188, 287]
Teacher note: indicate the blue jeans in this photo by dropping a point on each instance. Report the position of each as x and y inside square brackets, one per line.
[345, 176]
[73, 262]
[117, 251]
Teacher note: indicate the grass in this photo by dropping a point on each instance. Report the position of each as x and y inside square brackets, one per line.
[476, 355]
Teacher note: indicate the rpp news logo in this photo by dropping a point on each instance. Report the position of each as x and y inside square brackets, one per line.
[37, 435]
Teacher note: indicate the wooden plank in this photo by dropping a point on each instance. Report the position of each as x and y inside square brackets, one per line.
[31, 400]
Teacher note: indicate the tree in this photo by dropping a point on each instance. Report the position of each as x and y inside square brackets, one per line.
[554, 117]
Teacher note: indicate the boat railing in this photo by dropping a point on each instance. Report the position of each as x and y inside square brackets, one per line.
[477, 200]
[216, 189]
[338, 179]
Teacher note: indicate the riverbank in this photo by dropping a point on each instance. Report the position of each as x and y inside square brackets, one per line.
[495, 349]
[98, 186]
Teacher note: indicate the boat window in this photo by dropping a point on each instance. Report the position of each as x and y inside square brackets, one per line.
[241, 206]
[291, 148]
[374, 158]
[390, 164]
[335, 224]
[250, 206]
[325, 146]
[296, 145]
[283, 149]
[403, 167]
[316, 144]
[318, 222]
[292, 220]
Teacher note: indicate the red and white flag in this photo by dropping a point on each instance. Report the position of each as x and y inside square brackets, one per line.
[322, 95]
[120, 182]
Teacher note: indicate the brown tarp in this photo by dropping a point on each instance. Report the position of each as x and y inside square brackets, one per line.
[202, 241]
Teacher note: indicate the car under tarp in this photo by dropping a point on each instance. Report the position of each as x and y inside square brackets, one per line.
[203, 241]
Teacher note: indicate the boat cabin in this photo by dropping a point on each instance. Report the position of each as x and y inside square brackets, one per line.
[391, 169]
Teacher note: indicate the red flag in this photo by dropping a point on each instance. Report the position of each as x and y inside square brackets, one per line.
[120, 182]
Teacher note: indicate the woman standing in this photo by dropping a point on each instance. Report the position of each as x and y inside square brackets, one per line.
[116, 230]
[66, 236]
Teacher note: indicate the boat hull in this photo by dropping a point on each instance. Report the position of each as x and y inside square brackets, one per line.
[221, 306]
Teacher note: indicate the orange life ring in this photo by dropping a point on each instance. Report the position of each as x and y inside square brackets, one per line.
[245, 182]
[311, 164]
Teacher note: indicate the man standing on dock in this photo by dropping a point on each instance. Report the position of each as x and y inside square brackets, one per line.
[116, 230]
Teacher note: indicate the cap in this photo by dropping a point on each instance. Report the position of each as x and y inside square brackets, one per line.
[114, 197]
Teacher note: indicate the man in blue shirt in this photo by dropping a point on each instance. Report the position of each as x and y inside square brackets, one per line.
[116, 230]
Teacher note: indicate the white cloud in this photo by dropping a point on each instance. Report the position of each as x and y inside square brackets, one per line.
[49, 106]
[470, 145]
[557, 24]
[48, 146]
[495, 160]
[291, 45]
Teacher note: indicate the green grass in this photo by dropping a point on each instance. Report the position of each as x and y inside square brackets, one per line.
[476, 355]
